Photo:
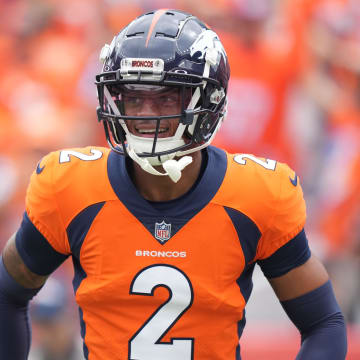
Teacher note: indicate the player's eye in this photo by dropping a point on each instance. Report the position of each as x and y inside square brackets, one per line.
[169, 100]
[132, 100]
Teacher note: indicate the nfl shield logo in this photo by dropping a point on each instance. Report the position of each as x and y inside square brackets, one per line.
[162, 231]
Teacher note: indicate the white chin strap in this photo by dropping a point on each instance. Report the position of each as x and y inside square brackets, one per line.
[172, 167]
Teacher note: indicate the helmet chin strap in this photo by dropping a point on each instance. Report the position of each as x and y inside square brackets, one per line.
[172, 167]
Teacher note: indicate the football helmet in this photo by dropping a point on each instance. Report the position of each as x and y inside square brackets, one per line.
[164, 51]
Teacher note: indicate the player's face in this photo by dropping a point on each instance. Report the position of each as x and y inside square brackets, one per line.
[153, 102]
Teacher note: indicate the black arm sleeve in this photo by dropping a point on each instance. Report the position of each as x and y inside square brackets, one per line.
[319, 319]
[15, 330]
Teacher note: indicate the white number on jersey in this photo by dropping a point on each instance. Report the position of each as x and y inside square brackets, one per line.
[267, 164]
[65, 155]
[145, 344]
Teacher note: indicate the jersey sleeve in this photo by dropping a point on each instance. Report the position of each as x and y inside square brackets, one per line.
[41, 204]
[289, 213]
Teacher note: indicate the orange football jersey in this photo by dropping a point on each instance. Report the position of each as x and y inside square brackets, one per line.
[165, 281]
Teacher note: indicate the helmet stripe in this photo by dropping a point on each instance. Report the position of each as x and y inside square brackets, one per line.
[155, 20]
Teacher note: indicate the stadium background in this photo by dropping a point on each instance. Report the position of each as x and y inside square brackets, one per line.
[294, 96]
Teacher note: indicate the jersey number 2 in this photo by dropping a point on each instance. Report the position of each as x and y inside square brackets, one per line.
[267, 164]
[65, 155]
[146, 343]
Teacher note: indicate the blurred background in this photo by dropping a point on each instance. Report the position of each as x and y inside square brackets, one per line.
[294, 96]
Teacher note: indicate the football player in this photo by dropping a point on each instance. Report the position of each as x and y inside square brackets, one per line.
[164, 230]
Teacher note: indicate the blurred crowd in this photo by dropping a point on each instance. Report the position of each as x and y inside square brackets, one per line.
[294, 96]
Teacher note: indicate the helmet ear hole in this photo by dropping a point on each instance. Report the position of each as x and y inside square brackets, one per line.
[205, 126]
[201, 128]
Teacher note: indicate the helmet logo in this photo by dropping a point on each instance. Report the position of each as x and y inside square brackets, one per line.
[162, 232]
[207, 41]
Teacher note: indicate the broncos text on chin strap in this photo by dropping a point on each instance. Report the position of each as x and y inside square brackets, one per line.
[172, 167]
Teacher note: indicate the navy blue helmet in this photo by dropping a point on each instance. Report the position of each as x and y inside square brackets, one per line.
[163, 51]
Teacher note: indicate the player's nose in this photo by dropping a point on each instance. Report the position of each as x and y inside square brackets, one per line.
[148, 108]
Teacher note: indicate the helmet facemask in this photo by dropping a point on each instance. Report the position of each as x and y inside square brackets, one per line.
[192, 105]
[158, 133]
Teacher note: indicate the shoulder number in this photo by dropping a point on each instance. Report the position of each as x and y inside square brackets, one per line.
[65, 155]
[267, 164]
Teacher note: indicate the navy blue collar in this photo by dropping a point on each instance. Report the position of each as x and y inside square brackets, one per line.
[180, 210]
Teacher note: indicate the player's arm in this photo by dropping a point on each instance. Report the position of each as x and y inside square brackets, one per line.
[26, 262]
[29, 257]
[299, 279]
[307, 297]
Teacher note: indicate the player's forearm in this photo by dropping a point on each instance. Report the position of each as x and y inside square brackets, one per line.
[15, 331]
[322, 326]
[327, 340]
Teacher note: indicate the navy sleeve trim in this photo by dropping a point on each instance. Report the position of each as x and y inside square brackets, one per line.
[38, 255]
[291, 255]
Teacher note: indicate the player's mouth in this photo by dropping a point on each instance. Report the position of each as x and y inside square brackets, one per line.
[150, 131]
